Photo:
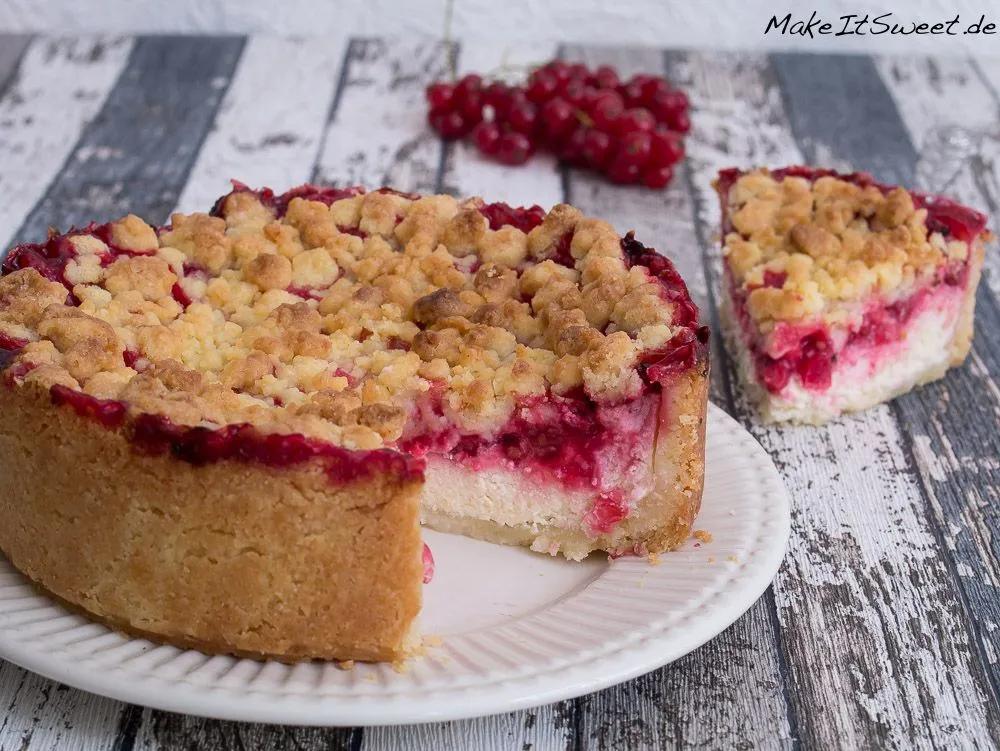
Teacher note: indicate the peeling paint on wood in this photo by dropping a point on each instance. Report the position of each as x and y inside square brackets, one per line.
[136, 154]
[378, 135]
[41, 715]
[270, 123]
[71, 77]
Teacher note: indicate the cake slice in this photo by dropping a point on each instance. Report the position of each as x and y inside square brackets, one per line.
[840, 292]
[225, 433]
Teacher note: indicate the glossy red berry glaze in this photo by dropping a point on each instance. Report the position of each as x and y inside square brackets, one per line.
[10, 343]
[810, 355]
[500, 214]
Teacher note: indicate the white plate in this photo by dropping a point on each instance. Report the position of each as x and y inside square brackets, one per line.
[517, 629]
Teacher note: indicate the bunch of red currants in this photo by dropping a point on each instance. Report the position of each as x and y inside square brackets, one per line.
[631, 131]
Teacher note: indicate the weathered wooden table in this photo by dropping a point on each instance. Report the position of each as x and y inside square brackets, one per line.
[882, 628]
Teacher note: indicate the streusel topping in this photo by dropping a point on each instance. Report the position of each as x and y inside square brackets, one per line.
[803, 246]
[338, 314]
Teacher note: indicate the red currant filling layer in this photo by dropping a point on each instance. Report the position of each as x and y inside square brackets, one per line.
[155, 435]
[808, 351]
[560, 439]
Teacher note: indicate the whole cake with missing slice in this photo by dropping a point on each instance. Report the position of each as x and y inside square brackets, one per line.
[225, 433]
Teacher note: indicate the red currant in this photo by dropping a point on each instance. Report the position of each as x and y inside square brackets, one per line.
[522, 117]
[468, 84]
[571, 150]
[623, 172]
[606, 77]
[557, 118]
[439, 96]
[666, 106]
[632, 92]
[634, 148]
[487, 137]
[680, 122]
[558, 69]
[651, 86]
[605, 110]
[666, 148]
[498, 96]
[634, 119]
[471, 107]
[513, 148]
[577, 93]
[541, 86]
[596, 148]
[449, 125]
[657, 177]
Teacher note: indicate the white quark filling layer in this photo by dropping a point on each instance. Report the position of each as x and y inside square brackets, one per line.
[868, 375]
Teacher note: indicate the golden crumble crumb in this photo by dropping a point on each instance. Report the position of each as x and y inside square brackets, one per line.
[801, 249]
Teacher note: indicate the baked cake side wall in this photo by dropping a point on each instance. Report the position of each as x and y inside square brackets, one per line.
[226, 557]
[666, 515]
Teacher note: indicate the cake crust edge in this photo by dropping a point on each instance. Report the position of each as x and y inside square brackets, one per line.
[229, 557]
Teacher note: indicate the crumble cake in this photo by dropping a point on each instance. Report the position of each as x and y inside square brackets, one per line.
[840, 292]
[225, 433]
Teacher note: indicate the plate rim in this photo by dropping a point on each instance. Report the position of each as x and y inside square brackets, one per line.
[650, 651]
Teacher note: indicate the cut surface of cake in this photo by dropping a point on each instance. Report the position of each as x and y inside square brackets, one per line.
[225, 433]
[841, 292]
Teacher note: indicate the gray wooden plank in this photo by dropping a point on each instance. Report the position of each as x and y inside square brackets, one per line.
[955, 417]
[870, 664]
[68, 76]
[12, 47]
[738, 674]
[136, 155]
[951, 109]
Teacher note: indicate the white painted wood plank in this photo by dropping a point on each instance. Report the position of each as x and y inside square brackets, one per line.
[379, 134]
[873, 663]
[59, 88]
[467, 173]
[40, 715]
[270, 123]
